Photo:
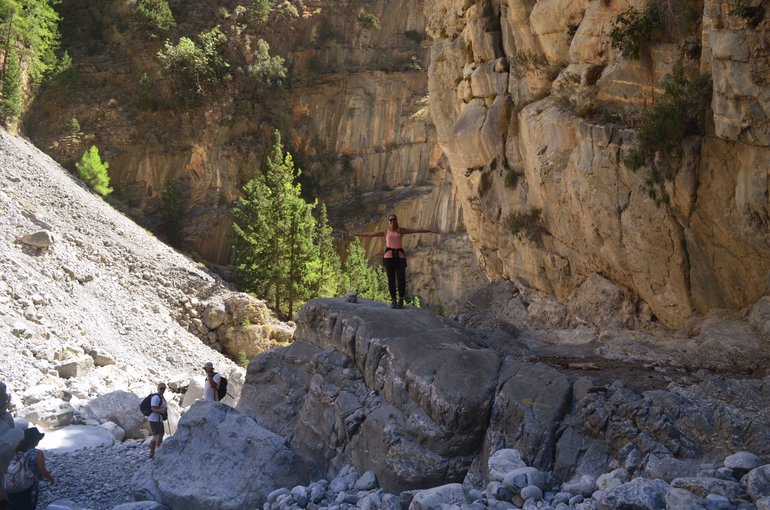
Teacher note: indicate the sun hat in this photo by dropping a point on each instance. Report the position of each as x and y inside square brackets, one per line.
[32, 437]
[208, 364]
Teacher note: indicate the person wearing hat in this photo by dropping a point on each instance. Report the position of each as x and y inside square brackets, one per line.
[211, 386]
[27, 499]
[10, 436]
[158, 406]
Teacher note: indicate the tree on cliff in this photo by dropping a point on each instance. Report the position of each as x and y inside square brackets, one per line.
[11, 103]
[31, 28]
[273, 233]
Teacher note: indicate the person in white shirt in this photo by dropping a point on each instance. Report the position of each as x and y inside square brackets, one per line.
[158, 405]
[211, 386]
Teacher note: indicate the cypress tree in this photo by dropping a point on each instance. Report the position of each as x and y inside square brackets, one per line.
[172, 213]
[273, 233]
[10, 106]
[359, 276]
[325, 268]
[94, 172]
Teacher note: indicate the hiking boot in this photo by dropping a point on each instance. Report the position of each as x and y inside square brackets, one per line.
[393, 304]
[400, 304]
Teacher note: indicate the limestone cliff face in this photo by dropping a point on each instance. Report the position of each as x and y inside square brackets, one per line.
[347, 114]
[499, 79]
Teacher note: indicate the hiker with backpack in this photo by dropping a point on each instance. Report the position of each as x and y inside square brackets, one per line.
[158, 413]
[25, 471]
[10, 436]
[215, 387]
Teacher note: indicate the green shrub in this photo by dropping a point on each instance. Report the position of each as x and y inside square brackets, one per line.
[369, 20]
[243, 360]
[196, 64]
[270, 70]
[147, 94]
[155, 15]
[94, 172]
[525, 224]
[65, 72]
[633, 31]
[73, 125]
[678, 113]
[261, 10]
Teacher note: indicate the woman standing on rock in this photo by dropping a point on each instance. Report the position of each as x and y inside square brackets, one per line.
[27, 499]
[394, 259]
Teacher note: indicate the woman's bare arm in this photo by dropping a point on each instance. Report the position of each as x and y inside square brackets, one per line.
[379, 233]
[405, 230]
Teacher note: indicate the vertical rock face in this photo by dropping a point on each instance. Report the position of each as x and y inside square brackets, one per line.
[506, 82]
[352, 113]
[513, 156]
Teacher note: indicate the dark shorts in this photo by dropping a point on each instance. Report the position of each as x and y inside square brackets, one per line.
[156, 427]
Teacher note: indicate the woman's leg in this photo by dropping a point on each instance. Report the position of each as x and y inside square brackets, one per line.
[390, 271]
[401, 277]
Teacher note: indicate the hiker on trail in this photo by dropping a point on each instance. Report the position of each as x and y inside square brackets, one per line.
[211, 386]
[10, 436]
[159, 407]
[394, 259]
[27, 499]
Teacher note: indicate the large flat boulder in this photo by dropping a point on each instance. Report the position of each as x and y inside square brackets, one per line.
[403, 393]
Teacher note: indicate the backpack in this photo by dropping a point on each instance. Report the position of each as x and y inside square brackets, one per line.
[19, 476]
[145, 406]
[222, 390]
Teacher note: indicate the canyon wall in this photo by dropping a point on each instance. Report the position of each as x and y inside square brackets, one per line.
[349, 112]
[506, 83]
[531, 115]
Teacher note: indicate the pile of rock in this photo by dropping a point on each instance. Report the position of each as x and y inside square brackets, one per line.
[237, 324]
[741, 482]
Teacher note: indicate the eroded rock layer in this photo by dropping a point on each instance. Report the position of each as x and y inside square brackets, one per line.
[420, 401]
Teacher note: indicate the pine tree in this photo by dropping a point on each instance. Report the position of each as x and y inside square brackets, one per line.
[300, 251]
[11, 103]
[325, 268]
[358, 275]
[172, 212]
[31, 26]
[94, 172]
[273, 233]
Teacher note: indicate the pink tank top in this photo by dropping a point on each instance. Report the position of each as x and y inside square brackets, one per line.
[393, 240]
